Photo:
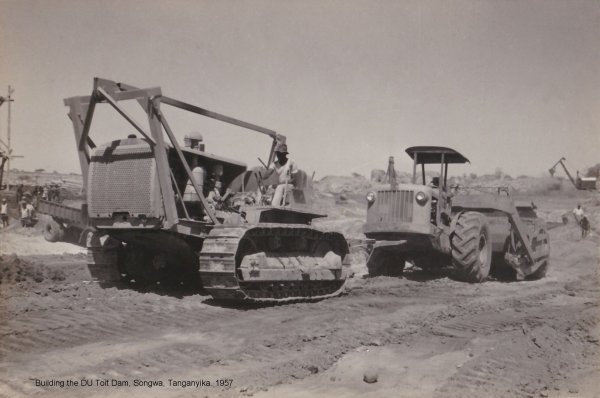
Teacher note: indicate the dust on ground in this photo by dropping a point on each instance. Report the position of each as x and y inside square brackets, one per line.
[422, 335]
[29, 241]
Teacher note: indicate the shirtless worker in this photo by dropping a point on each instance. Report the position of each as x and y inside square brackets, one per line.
[27, 213]
[578, 213]
[286, 169]
[4, 213]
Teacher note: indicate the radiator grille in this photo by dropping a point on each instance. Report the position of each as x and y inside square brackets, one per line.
[395, 206]
[122, 179]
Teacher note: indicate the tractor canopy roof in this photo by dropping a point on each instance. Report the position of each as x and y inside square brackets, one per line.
[433, 154]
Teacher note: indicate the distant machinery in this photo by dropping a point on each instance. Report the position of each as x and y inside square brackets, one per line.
[582, 183]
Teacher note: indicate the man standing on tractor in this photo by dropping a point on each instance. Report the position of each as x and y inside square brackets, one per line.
[286, 169]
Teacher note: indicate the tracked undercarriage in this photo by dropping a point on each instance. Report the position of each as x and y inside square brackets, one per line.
[273, 263]
[262, 264]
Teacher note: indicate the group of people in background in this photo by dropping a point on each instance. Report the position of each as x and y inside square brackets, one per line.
[49, 192]
[27, 199]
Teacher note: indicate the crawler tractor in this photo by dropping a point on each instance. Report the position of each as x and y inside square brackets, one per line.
[435, 225]
[140, 223]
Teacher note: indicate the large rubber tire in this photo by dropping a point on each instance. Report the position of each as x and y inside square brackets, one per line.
[53, 231]
[471, 248]
[385, 263]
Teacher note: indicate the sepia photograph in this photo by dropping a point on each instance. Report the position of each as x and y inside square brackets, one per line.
[286, 198]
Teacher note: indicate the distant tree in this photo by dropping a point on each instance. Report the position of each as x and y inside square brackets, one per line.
[472, 176]
[593, 171]
[498, 172]
[39, 170]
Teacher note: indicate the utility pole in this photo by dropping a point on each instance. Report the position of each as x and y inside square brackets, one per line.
[8, 155]
[9, 99]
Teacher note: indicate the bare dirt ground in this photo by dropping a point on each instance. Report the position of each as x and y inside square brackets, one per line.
[422, 335]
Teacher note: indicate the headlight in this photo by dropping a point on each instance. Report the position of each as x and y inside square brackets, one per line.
[371, 197]
[421, 198]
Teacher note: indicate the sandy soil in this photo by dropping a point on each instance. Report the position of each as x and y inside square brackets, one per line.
[423, 335]
[28, 242]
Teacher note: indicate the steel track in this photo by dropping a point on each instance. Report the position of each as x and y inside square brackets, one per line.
[220, 279]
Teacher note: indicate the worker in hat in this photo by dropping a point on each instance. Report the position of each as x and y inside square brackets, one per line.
[286, 169]
[4, 213]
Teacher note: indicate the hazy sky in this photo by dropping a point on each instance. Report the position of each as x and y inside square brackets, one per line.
[510, 84]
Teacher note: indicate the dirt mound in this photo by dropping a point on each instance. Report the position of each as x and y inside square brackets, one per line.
[342, 191]
[13, 270]
[521, 185]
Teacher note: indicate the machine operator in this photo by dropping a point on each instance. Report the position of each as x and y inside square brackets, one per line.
[286, 169]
